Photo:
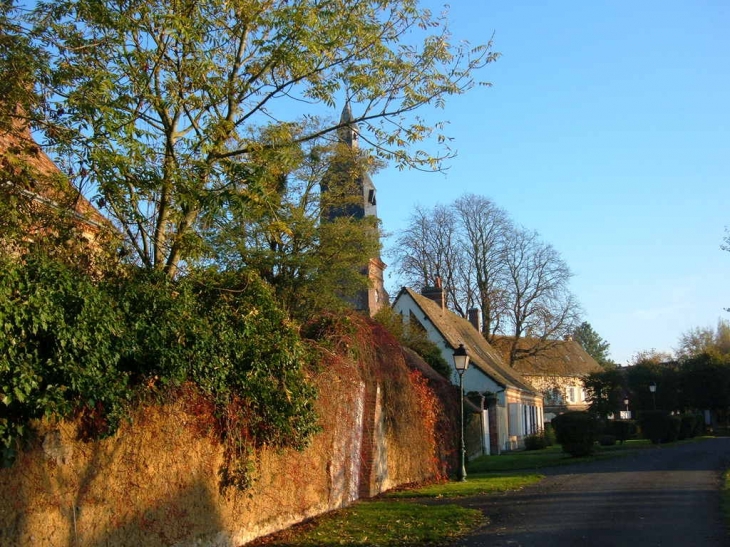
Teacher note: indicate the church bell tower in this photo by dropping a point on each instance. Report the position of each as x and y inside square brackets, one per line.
[349, 179]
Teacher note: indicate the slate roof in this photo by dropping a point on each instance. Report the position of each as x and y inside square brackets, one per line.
[558, 358]
[457, 330]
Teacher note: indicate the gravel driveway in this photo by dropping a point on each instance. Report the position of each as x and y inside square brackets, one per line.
[663, 496]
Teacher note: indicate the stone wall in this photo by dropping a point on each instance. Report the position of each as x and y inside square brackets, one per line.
[156, 482]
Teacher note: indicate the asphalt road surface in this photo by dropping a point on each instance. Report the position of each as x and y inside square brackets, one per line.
[664, 496]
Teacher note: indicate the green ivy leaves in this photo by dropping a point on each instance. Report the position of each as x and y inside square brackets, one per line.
[71, 345]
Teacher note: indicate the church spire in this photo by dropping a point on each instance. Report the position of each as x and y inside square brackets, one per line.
[348, 133]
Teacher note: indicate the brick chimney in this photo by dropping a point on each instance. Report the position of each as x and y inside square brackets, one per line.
[435, 293]
[475, 318]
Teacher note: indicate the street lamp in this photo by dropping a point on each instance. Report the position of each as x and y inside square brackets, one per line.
[626, 404]
[461, 363]
[652, 388]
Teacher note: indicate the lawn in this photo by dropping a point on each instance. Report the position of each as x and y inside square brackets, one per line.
[389, 521]
[476, 485]
[382, 523]
[553, 455]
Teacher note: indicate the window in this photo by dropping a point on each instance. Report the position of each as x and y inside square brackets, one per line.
[554, 396]
[571, 394]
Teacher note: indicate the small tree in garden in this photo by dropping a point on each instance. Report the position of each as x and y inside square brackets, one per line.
[605, 390]
[576, 432]
[655, 425]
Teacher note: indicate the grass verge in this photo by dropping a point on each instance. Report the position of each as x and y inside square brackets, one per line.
[382, 523]
[552, 456]
[474, 486]
[393, 522]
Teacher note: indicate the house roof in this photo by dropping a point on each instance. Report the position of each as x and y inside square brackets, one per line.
[45, 187]
[415, 361]
[556, 358]
[456, 330]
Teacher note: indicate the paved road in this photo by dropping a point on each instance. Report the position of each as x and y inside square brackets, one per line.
[664, 496]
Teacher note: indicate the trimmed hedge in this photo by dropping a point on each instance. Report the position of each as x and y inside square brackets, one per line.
[692, 425]
[656, 426]
[576, 431]
[607, 440]
[536, 441]
[549, 434]
[660, 427]
[675, 423]
[623, 430]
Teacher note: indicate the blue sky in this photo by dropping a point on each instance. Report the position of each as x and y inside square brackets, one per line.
[607, 130]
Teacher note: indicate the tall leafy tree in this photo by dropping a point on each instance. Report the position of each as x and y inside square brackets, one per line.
[650, 357]
[701, 340]
[310, 264]
[20, 65]
[161, 103]
[706, 381]
[606, 391]
[665, 375]
[593, 344]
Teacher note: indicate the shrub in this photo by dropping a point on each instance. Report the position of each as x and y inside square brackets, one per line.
[61, 340]
[675, 424]
[414, 338]
[623, 430]
[576, 432]
[692, 425]
[536, 441]
[699, 425]
[607, 440]
[655, 425]
[549, 434]
[686, 427]
[72, 346]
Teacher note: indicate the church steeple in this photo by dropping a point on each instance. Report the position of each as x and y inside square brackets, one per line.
[348, 191]
[347, 181]
[348, 133]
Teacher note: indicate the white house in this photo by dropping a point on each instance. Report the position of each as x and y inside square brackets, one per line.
[513, 409]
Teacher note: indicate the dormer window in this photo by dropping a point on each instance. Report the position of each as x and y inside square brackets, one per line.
[371, 197]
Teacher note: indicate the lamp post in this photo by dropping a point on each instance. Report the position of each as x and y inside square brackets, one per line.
[652, 388]
[461, 362]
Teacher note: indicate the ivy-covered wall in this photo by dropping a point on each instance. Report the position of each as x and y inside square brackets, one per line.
[157, 481]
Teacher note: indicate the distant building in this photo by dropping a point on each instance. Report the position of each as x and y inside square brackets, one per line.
[348, 191]
[555, 368]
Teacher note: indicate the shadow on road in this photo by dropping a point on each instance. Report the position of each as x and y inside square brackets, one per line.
[662, 496]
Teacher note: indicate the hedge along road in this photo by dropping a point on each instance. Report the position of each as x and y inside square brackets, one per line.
[662, 496]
